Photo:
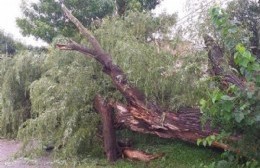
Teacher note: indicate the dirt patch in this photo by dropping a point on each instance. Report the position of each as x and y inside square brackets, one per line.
[8, 148]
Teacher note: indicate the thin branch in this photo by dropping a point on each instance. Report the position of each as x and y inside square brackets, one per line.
[72, 45]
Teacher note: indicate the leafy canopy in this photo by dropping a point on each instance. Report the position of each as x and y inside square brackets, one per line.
[45, 19]
[246, 13]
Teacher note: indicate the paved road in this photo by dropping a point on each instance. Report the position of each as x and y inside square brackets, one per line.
[7, 150]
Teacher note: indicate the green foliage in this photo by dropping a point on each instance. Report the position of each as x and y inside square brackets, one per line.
[229, 31]
[247, 63]
[45, 19]
[234, 106]
[127, 43]
[49, 99]
[236, 110]
[16, 76]
[135, 5]
[61, 102]
[246, 13]
[230, 164]
[207, 141]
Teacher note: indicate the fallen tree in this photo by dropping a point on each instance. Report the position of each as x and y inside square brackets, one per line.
[139, 114]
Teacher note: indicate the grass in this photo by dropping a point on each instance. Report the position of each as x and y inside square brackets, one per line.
[177, 154]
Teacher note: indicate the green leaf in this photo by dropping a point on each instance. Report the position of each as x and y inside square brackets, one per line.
[256, 67]
[204, 143]
[232, 30]
[213, 137]
[244, 62]
[248, 56]
[227, 107]
[199, 141]
[257, 118]
[226, 97]
[239, 117]
[240, 48]
[258, 79]
[244, 106]
[237, 57]
[203, 103]
[249, 95]
[216, 96]
[210, 142]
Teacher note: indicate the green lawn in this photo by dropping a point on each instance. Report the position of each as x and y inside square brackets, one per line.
[177, 154]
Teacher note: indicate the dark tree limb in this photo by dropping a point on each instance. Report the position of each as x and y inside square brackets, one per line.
[219, 65]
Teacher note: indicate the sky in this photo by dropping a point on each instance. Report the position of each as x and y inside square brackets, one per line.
[10, 10]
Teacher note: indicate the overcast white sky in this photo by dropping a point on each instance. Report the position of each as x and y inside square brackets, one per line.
[10, 10]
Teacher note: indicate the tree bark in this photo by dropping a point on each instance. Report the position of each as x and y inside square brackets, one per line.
[220, 67]
[139, 114]
[109, 135]
[184, 124]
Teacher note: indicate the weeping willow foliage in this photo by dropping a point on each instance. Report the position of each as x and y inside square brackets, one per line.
[50, 98]
[16, 76]
[61, 102]
[155, 73]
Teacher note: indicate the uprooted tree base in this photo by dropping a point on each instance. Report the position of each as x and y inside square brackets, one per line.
[139, 114]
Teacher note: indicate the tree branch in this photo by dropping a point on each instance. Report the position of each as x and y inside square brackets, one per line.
[84, 31]
[72, 45]
[219, 65]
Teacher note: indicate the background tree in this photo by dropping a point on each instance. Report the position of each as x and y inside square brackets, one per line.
[45, 20]
[138, 5]
[246, 13]
[8, 46]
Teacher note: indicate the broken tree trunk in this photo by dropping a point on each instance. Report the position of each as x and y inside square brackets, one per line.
[184, 124]
[139, 114]
[108, 131]
[112, 149]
